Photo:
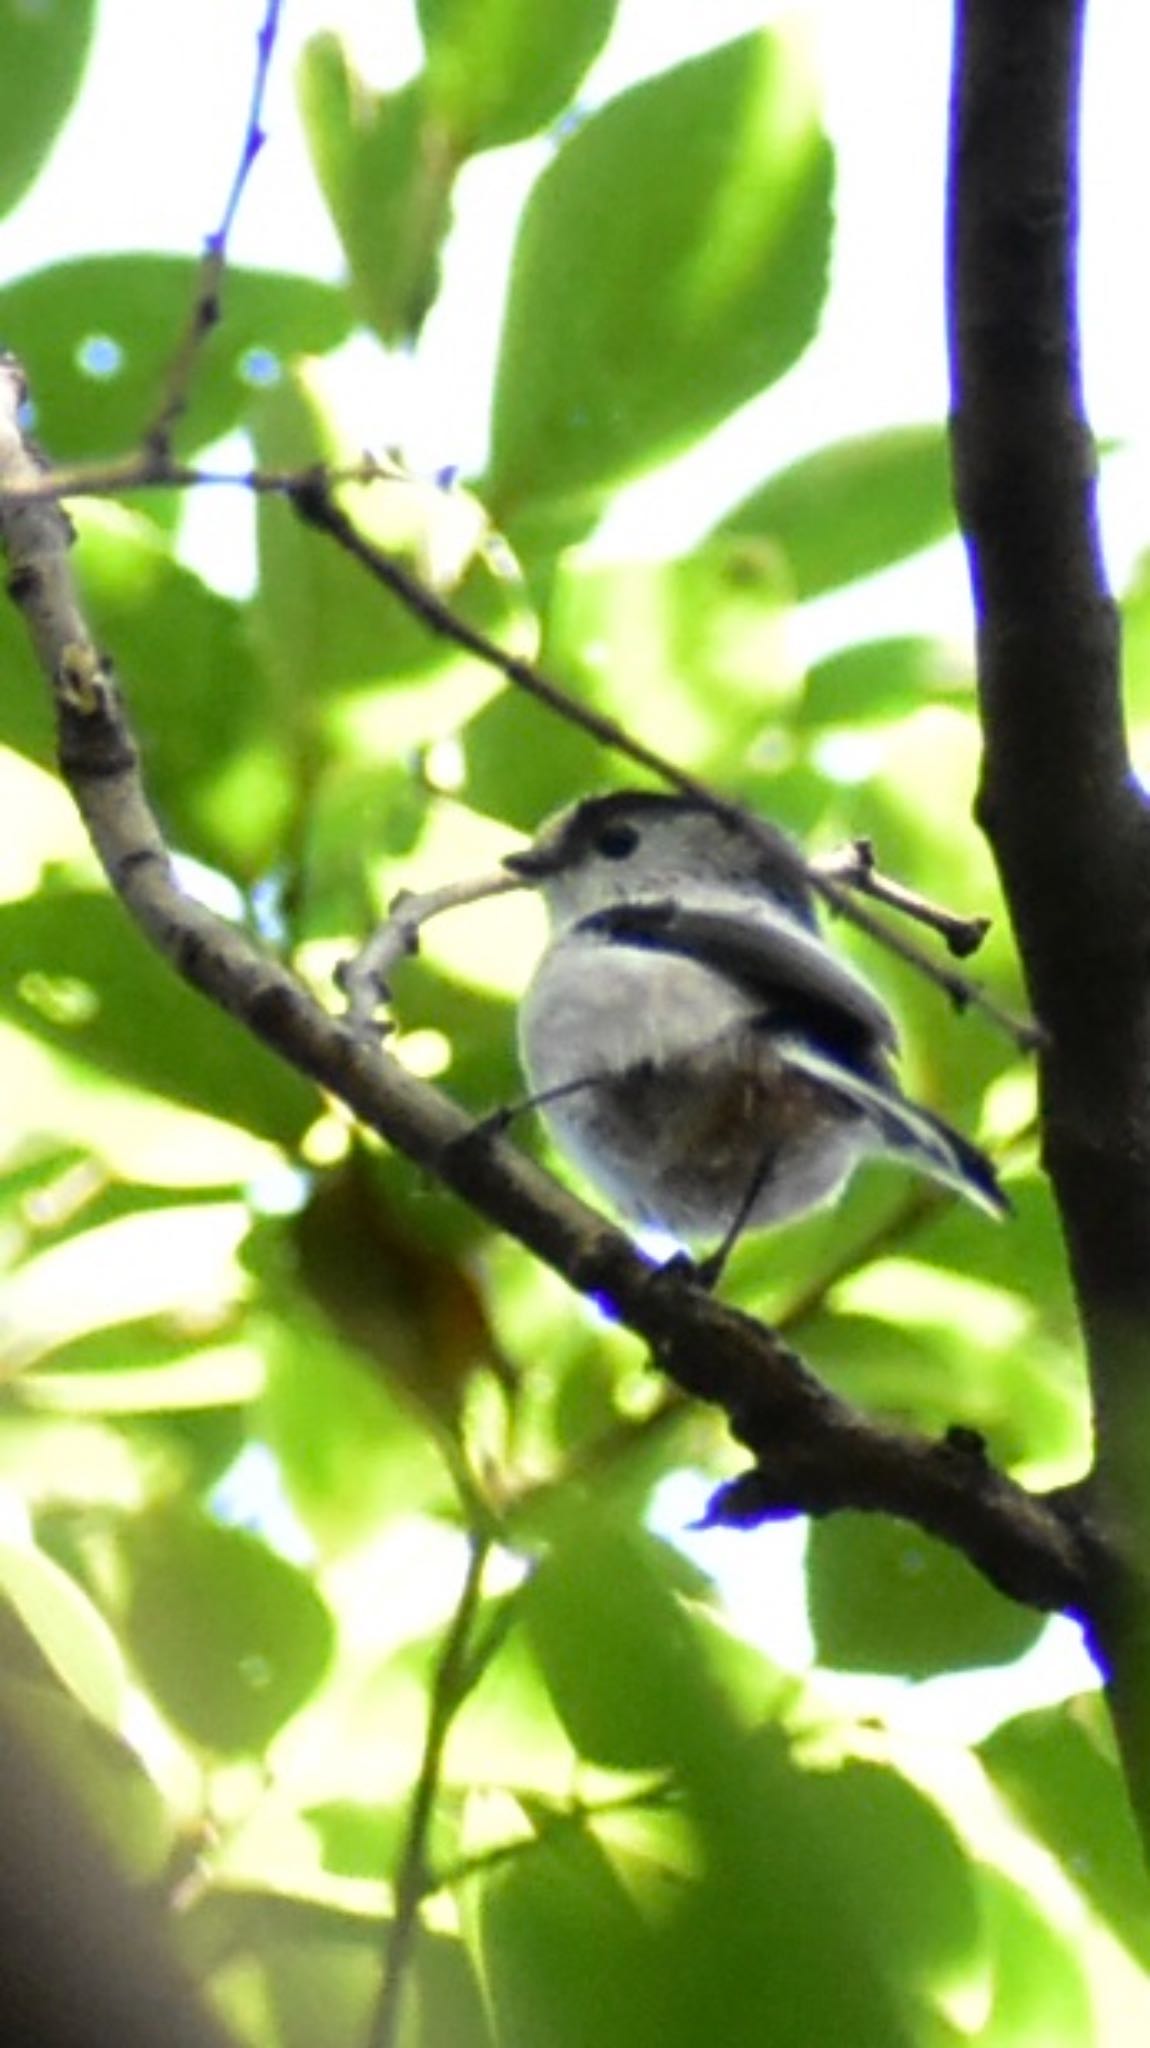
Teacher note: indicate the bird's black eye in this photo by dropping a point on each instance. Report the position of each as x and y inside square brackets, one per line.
[615, 842]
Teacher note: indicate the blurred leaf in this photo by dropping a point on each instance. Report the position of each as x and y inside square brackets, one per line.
[64, 1463]
[695, 646]
[78, 975]
[143, 1369]
[284, 1972]
[671, 263]
[43, 52]
[877, 680]
[498, 70]
[322, 623]
[102, 1774]
[540, 1917]
[351, 1456]
[616, 1650]
[1040, 1991]
[851, 508]
[97, 335]
[885, 1597]
[201, 703]
[449, 2006]
[386, 163]
[72, 1635]
[867, 1818]
[357, 1840]
[415, 1313]
[1056, 1769]
[678, 1958]
[229, 1638]
[522, 764]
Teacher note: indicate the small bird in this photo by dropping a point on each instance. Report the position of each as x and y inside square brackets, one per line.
[692, 1041]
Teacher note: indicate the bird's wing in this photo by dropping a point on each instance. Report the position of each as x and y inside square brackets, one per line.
[798, 980]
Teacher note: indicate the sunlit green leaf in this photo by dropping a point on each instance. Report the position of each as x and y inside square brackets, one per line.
[1057, 1769]
[695, 646]
[285, 1972]
[97, 336]
[201, 703]
[77, 974]
[323, 625]
[499, 69]
[386, 162]
[678, 1960]
[877, 680]
[671, 263]
[852, 508]
[1040, 1991]
[43, 51]
[350, 1453]
[71, 1634]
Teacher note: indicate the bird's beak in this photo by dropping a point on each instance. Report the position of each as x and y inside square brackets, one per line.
[546, 855]
[530, 864]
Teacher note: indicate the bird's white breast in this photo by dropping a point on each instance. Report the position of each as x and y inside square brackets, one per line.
[598, 1007]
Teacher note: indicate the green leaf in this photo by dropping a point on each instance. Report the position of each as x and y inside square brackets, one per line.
[284, 1971]
[93, 400]
[876, 681]
[693, 647]
[183, 652]
[522, 763]
[202, 704]
[386, 163]
[498, 70]
[77, 974]
[679, 1958]
[72, 1636]
[325, 626]
[1056, 1769]
[540, 1919]
[1040, 1990]
[854, 507]
[671, 263]
[351, 1455]
[229, 1638]
[885, 1597]
[616, 1649]
[43, 52]
[866, 1817]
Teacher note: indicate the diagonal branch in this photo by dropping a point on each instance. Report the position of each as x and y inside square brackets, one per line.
[814, 1451]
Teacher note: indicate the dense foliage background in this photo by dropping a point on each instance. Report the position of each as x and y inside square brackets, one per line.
[310, 1492]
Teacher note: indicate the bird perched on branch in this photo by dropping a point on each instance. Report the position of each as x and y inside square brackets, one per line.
[693, 1042]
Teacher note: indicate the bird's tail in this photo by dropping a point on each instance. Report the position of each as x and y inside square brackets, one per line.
[905, 1128]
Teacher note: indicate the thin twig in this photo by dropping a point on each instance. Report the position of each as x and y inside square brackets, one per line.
[413, 1879]
[148, 469]
[364, 978]
[206, 309]
[854, 867]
